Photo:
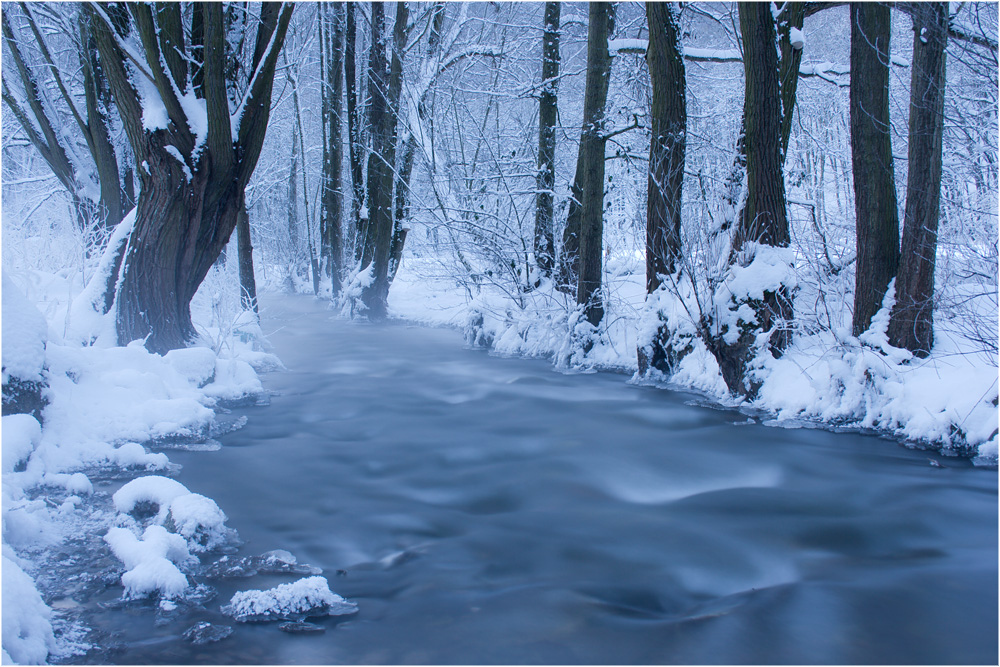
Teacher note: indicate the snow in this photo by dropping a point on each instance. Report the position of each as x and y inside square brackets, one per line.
[20, 435]
[27, 630]
[797, 39]
[104, 402]
[629, 45]
[24, 335]
[152, 489]
[151, 561]
[310, 596]
[176, 154]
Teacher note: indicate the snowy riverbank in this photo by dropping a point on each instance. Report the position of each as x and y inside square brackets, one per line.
[827, 378]
[104, 406]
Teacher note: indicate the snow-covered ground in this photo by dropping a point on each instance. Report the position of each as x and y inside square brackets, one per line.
[947, 401]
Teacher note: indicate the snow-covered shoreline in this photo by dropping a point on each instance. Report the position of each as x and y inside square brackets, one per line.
[826, 379]
[103, 409]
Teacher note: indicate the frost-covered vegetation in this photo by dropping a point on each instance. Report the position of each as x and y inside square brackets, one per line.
[114, 348]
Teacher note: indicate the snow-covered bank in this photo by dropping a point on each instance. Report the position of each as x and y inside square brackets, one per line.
[101, 407]
[947, 401]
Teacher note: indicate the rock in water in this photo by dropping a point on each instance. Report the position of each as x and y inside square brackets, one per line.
[207, 633]
[301, 628]
[306, 597]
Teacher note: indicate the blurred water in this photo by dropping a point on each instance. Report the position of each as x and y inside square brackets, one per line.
[488, 510]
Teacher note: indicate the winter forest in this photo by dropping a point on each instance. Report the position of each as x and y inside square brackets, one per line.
[785, 212]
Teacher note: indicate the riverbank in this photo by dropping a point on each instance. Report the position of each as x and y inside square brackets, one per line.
[827, 378]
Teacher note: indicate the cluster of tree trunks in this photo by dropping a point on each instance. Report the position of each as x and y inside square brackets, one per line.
[191, 187]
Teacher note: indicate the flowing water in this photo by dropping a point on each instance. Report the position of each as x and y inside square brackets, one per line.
[486, 510]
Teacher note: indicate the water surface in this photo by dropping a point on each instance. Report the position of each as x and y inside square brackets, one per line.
[486, 510]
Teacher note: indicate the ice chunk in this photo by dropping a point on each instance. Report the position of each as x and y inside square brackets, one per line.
[206, 633]
[306, 597]
[797, 39]
[150, 490]
[278, 561]
[199, 521]
[21, 434]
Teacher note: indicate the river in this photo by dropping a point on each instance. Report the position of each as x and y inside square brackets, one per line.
[488, 510]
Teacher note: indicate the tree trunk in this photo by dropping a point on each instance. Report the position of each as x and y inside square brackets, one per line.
[332, 211]
[569, 256]
[668, 118]
[385, 91]
[189, 201]
[544, 245]
[248, 283]
[592, 144]
[911, 324]
[792, 16]
[763, 220]
[875, 206]
[293, 198]
[354, 138]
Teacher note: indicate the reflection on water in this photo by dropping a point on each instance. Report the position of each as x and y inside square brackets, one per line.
[484, 510]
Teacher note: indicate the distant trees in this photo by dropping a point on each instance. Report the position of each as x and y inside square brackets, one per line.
[44, 125]
[196, 133]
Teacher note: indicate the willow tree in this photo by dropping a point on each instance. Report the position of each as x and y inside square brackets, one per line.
[196, 146]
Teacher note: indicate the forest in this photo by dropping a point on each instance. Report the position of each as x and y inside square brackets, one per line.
[783, 207]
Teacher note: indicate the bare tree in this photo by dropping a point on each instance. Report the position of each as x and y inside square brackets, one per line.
[668, 133]
[911, 323]
[871, 156]
[547, 114]
[591, 158]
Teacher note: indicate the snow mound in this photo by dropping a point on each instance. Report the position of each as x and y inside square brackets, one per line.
[151, 561]
[24, 334]
[21, 434]
[199, 521]
[310, 596]
[139, 495]
[27, 630]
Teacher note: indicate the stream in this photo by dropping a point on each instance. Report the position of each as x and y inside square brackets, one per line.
[482, 510]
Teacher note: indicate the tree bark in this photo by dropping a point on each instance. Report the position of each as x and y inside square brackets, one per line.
[248, 283]
[875, 206]
[763, 220]
[668, 118]
[385, 90]
[189, 202]
[592, 144]
[332, 211]
[544, 243]
[911, 324]
[354, 138]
